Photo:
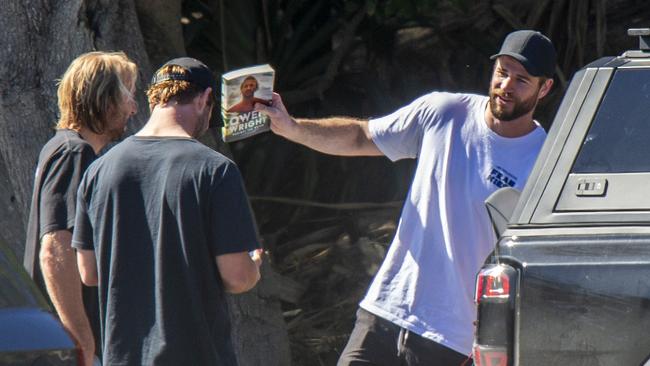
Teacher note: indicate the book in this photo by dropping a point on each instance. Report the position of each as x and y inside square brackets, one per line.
[240, 90]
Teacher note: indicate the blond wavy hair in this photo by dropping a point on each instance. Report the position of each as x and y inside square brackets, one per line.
[178, 91]
[93, 86]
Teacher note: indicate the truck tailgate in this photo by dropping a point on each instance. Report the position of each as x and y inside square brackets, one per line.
[590, 305]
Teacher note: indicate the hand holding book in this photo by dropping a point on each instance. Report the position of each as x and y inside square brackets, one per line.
[280, 120]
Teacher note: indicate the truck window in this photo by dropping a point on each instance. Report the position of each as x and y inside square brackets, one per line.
[618, 140]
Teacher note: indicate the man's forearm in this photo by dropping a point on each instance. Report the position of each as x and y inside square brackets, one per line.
[336, 136]
[59, 267]
[246, 282]
[239, 272]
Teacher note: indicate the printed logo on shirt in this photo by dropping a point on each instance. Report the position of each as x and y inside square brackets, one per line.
[501, 178]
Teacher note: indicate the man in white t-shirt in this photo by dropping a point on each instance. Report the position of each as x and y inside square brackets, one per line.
[419, 308]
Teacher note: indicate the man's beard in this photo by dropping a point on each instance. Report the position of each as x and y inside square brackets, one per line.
[519, 107]
[115, 133]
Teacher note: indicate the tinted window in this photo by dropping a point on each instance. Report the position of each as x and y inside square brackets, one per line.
[618, 140]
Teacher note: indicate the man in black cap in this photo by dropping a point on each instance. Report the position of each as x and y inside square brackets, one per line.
[164, 228]
[419, 309]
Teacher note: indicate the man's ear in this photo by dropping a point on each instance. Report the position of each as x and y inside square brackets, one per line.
[545, 89]
[204, 98]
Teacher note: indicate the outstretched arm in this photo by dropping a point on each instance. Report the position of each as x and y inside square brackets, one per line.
[335, 136]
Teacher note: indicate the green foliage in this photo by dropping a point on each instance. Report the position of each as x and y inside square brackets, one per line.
[223, 33]
[367, 58]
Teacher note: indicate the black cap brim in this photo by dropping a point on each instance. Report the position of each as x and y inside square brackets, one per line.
[522, 60]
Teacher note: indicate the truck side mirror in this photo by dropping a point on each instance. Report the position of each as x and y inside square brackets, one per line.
[500, 206]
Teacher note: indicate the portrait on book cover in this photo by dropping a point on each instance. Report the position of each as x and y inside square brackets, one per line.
[244, 92]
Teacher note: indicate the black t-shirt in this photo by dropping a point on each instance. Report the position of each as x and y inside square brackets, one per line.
[157, 211]
[61, 164]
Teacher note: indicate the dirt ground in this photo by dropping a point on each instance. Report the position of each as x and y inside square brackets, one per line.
[333, 263]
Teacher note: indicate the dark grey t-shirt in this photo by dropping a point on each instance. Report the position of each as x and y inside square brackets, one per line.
[61, 164]
[157, 211]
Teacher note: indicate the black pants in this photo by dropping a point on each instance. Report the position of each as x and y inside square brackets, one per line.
[378, 342]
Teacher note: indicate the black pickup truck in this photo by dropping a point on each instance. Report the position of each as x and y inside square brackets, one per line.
[569, 280]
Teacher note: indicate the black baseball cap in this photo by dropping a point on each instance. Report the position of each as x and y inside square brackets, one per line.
[197, 73]
[533, 49]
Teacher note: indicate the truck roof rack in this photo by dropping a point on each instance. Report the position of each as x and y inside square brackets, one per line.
[644, 42]
[644, 37]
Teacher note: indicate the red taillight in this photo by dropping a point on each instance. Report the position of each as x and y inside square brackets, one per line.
[492, 283]
[489, 356]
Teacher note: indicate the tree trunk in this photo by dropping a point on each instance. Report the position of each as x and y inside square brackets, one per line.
[161, 29]
[39, 40]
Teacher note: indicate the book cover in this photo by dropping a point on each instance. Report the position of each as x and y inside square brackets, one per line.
[240, 90]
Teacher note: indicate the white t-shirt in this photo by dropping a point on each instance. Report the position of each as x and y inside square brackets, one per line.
[426, 282]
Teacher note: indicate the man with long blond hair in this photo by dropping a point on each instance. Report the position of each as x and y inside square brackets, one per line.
[164, 228]
[95, 98]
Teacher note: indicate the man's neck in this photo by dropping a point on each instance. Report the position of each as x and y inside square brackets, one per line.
[167, 121]
[248, 100]
[95, 140]
[518, 127]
